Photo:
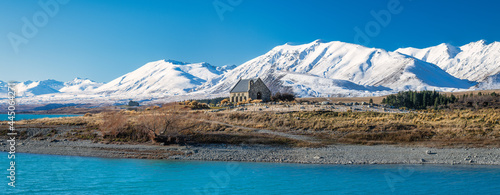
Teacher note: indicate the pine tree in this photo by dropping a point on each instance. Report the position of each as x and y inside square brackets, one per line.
[453, 98]
[424, 102]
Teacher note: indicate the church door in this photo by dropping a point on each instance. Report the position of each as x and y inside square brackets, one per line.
[259, 95]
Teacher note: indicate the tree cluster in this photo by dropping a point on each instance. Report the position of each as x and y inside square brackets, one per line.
[479, 100]
[419, 99]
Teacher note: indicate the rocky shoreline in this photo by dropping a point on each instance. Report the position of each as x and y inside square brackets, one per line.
[334, 154]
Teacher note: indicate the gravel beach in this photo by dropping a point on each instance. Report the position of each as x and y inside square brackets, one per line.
[334, 154]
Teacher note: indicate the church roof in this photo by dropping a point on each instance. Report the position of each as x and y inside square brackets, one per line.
[242, 85]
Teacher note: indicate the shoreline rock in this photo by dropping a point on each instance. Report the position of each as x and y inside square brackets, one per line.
[333, 154]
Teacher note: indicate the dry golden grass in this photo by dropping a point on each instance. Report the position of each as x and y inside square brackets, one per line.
[479, 128]
[174, 123]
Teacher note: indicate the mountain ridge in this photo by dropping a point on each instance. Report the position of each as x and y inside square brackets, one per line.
[474, 61]
[319, 68]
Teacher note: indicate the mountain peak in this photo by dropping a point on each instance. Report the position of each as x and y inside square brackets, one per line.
[176, 62]
[446, 45]
[479, 43]
[206, 64]
[81, 79]
[319, 41]
[482, 41]
[450, 49]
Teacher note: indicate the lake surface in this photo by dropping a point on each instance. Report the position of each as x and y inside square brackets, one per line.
[4, 117]
[50, 174]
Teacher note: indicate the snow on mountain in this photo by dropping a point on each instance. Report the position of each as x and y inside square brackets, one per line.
[78, 85]
[491, 82]
[304, 85]
[162, 77]
[226, 68]
[34, 88]
[365, 67]
[474, 61]
[309, 70]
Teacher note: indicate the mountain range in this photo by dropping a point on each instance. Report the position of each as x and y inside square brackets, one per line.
[316, 69]
[50, 86]
[475, 61]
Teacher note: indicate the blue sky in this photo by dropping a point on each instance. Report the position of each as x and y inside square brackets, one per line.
[102, 40]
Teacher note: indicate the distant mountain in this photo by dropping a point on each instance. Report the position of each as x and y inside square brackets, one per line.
[79, 85]
[162, 77]
[34, 88]
[50, 86]
[474, 61]
[341, 67]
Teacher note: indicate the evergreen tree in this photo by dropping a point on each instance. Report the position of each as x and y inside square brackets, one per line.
[418, 100]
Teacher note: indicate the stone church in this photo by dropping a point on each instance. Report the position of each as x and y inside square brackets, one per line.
[254, 89]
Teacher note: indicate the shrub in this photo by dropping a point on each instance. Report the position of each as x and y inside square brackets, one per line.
[282, 97]
[194, 103]
[163, 127]
[114, 122]
[256, 101]
[224, 101]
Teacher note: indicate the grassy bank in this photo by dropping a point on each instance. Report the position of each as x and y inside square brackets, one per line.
[435, 128]
[175, 124]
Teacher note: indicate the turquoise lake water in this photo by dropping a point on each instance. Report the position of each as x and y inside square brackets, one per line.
[4, 117]
[50, 174]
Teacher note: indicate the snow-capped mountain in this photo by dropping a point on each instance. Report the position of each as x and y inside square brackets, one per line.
[335, 64]
[34, 88]
[78, 85]
[474, 61]
[309, 70]
[491, 82]
[50, 86]
[163, 76]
